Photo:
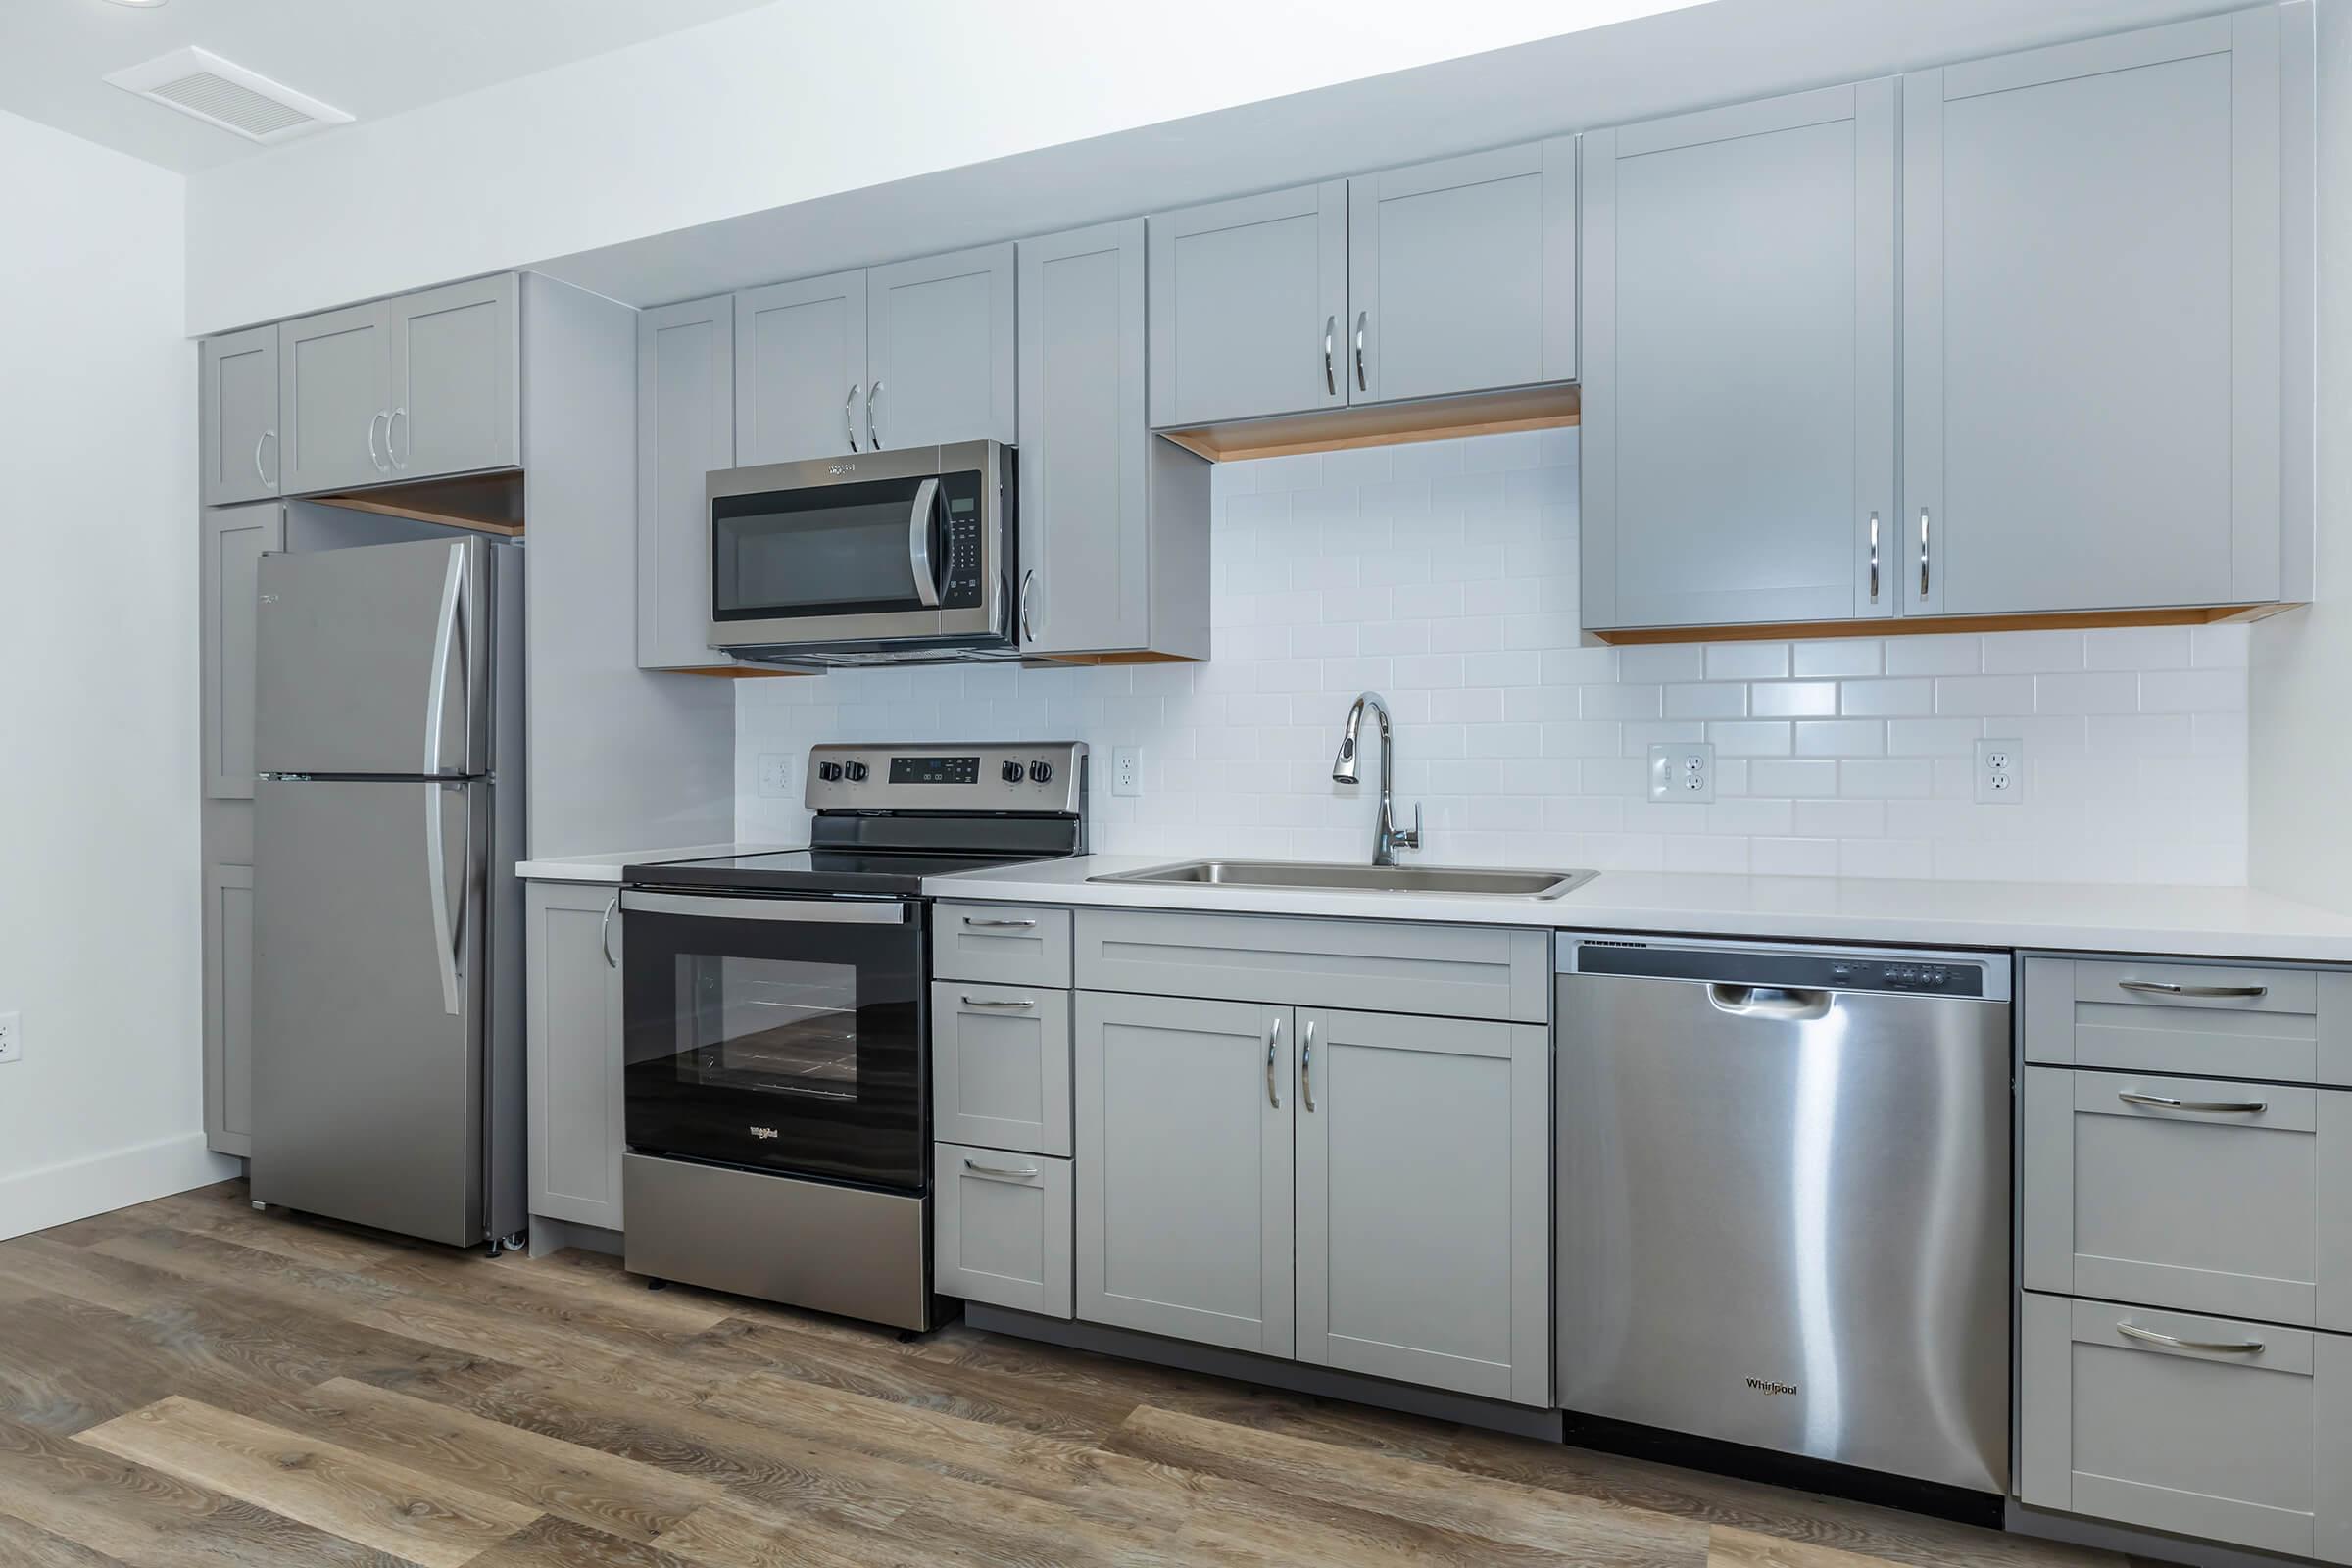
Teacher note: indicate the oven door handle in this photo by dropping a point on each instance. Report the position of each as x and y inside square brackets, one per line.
[918, 543]
[819, 912]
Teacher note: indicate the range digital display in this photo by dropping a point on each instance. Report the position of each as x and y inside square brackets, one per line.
[935, 771]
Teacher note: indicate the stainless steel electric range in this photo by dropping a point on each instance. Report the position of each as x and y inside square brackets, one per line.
[777, 1089]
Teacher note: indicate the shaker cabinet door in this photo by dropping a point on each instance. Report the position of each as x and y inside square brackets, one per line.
[235, 538]
[1737, 449]
[939, 350]
[237, 416]
[456, 355]
[799, 369]
[228, 1008]
[334, 399]
[685, 428]
[1249, 307]
[574, 939]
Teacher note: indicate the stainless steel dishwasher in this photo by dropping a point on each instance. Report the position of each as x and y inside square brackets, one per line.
[1784, 1198]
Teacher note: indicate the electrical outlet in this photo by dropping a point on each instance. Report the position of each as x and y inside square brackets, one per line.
[2000, 771]
[1127, 770]
[12, 1037]
[1682, 771]
[778, 778]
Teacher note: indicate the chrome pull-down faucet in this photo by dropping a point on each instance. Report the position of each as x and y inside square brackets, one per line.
[1386, 837]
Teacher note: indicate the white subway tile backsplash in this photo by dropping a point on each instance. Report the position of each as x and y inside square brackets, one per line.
[1443, 575]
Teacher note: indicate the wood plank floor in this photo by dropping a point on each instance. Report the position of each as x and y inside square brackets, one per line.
[192, 1382]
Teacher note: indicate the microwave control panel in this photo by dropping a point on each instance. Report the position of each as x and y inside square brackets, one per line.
[960, 572]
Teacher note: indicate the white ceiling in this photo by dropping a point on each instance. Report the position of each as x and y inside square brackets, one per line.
[371, 58]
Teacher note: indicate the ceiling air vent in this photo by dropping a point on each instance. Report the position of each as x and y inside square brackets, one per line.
[199, 82]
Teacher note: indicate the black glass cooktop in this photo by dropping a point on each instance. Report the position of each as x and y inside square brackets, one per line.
[817, 870]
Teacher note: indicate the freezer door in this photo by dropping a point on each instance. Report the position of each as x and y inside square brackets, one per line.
[367, 1013]
[374, 660]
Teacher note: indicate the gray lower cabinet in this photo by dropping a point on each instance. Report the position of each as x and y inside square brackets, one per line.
[2094, 289]
[572, 941]
[237, 416]
[2208, 1020]
[1184, 1158]
[234, 540]
[685, 428]
[1001, 1066]
[1424, 1160]
[334, 397]
[1462, 274]
[2217, 1428]
[228, 1008]
[939, 350]
[1001, 944]
[1114, 519]
[1738, 443]
[800, 369]
[1001, 1228]
[1249, 307]
[456, 373]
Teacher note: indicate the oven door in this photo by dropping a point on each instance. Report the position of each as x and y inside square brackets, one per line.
[880, 547]
[778, 1034]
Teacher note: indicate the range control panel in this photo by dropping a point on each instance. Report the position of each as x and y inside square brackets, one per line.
[1031, 778]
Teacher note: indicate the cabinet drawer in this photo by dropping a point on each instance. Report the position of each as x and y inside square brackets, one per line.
[1000, 1065]
[1002, 1228]
[1001, 944]
[2189, 1204]
[2212, 1442]
[1451, 971]
[2285, 1025]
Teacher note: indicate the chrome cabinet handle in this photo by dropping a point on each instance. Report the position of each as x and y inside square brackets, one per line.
[374, 458]
[1273, 1040]
[390, 449]
[999, 926]
[2165, 988]
[1331, 383]
[603, 932]
[1922, 552]
[1360, 351]
[1011, 1173]
[984, 1001]
[1873, 557]
[918, 541]
[1028, 625]
[873, 431]
[2224, 1107]
[261, 474]
[849, 416]
[2222, 1346]
[1306, 1066]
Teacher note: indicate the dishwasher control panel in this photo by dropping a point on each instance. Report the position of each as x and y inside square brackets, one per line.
[1981, 977]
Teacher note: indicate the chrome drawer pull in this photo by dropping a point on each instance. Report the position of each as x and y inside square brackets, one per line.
[999, 925]
[1273, 1039]
[2164, 987]
[1306, 1064]
[983, 1002]
[1022, 1173]
[2228, 1108]
[2222, 1347]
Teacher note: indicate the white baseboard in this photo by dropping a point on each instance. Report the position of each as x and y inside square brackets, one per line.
[35, 1199]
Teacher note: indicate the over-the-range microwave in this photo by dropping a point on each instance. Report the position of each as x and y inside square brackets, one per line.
[897, 556]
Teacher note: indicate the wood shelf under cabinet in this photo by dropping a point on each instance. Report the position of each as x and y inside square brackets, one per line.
[1383, 425]
[1920, 625]
[487, 503]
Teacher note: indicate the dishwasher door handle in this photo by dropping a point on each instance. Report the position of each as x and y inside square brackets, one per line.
[1768, 1001]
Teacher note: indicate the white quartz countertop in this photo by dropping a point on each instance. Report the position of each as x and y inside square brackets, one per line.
[607, 867]
[2091, 917]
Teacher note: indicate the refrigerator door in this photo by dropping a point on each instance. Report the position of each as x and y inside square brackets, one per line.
[374, 660]
[368, 1010]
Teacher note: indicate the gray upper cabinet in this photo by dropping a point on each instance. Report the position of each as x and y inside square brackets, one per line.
[1424, 1160]
[2092, 302]
[1462, 274]
[1248, 306]
[334, 398]
[237, 417]
[456, 357]
[1114, 519]
[799, 369]
[572, 937]
[235, 539]
[1738, 356]
[939, 350]
[685, 428]
[1183, 1173]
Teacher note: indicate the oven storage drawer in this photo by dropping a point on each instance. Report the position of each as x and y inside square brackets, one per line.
[2283, 1025]
[2201, 1194]
[1003, 1228]
[1454, 972]
[1001, 944]
[1001, 1066]
[2135, 1416]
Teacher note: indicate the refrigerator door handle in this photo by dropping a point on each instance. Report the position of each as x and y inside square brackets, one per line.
[445, 635]
[436, 867]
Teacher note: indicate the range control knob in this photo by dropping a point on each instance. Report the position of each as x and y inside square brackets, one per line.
[855, 771]
[1039, 773]
[828, 771]
[1010, 772]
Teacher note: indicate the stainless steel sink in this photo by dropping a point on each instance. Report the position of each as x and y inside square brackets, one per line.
[1312, 875]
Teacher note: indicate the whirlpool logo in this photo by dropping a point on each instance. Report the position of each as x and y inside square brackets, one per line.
[842, 467]
[771, 1132]
[1769, 1385]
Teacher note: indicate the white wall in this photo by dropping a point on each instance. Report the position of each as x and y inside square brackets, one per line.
[2301, 842]
[99, 937]
[1443, 575]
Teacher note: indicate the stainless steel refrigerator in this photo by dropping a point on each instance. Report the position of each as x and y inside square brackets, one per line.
[387, 984]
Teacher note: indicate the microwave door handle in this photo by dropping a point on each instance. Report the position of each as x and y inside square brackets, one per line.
[918, 543]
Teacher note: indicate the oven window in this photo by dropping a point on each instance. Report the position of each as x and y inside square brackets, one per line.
[828, 550]
[772, 1027]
